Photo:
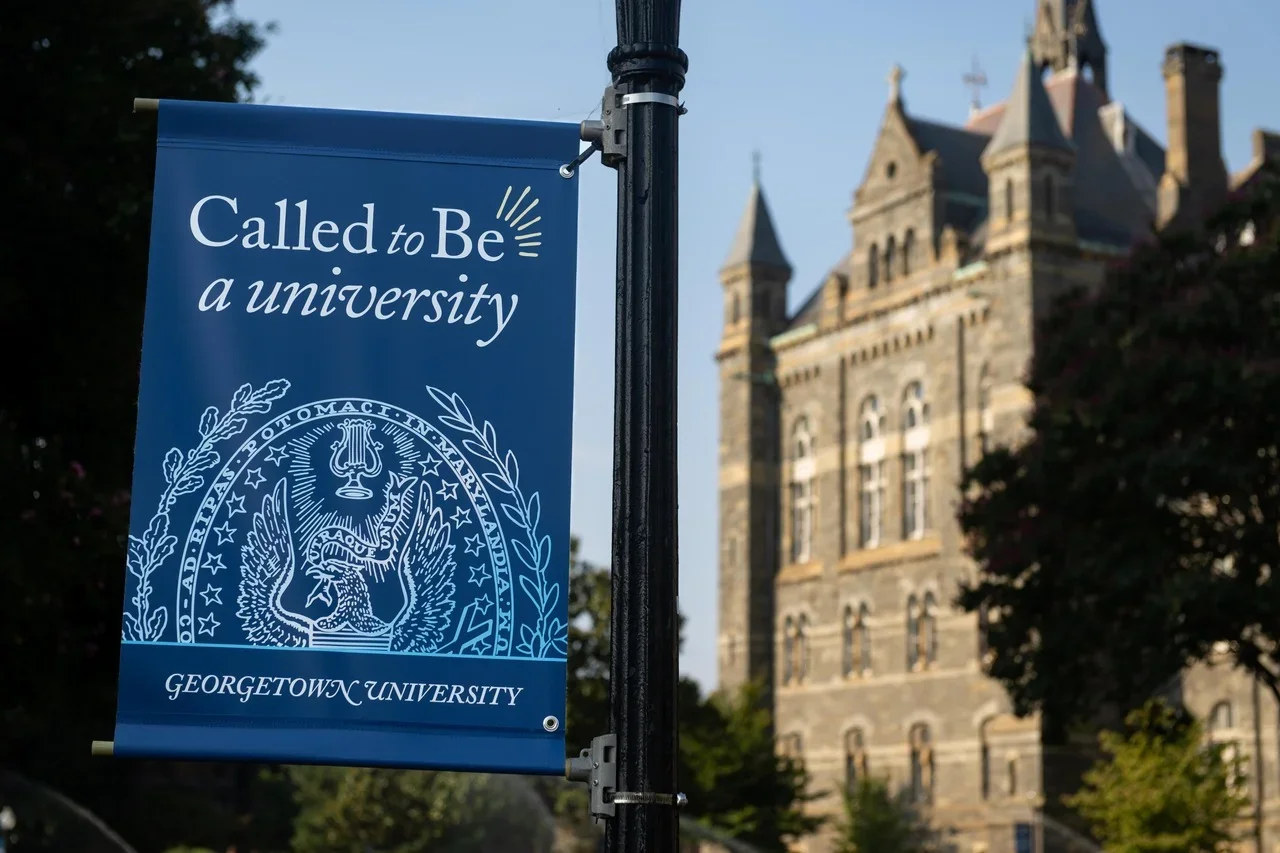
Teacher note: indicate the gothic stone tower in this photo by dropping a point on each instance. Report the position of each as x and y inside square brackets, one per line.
[754, 278]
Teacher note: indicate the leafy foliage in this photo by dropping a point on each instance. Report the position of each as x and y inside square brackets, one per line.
[735, 779]
[72, 281]
[353, 810]
[1162, 789]
[728, 766]
[1136, 527]
[877, 821]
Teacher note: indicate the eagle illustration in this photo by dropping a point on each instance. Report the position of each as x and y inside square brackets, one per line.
[410, 538]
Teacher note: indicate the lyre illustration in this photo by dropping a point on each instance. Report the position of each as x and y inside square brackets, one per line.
[355, 457]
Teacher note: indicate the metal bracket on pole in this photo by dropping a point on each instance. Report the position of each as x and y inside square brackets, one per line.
[609, 134]
[597, 766]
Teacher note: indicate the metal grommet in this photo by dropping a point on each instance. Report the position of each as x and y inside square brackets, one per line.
[566, 173]
[550, 723]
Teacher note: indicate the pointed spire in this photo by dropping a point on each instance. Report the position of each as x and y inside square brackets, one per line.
[756, 242]
[1029, 118]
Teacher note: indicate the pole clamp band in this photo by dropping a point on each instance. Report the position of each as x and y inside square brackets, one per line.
[650, 98]
[632, 798]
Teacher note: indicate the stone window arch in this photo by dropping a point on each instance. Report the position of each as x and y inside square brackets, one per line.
[735, 311]
[856, 641]
[984, 758]
[920, 743]
[788, 650]
[915, 462]
[800, 666]
[1008, 199]
[929, 630]
[871, 473]
[913, 632]
[873, 266]
[803, 473]
[890, 250]
[855, 758]
[908, 251]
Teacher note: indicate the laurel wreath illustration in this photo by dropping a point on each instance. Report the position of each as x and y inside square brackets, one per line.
[550, 634]
[184, 474]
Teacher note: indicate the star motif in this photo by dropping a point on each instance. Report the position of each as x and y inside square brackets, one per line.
[211, 594]
[473, 542]
[431, 466]
[483, 605]
[276, 455]
[213, 564]
[448, 491]
[482, 648]
[254, 479]
[460, 517]
[225, 533]
[235, 504]
[479, 575]
[208, 624]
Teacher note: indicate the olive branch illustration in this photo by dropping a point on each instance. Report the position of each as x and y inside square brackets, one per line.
[182, 476]
[550, 634]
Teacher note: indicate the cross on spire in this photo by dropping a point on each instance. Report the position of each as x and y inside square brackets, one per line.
[895, 82]
[976, 80]
[755, 167]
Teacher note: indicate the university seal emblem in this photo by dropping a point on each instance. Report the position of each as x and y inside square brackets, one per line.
[347, 524]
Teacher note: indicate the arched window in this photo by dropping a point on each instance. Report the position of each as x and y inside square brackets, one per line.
[1220, 719]
[1011, 771]
[929, 630]
[1220, 731]
[1049, 200]
[873, 266]
[1008, 200]
[788, 650]
[847, 640]
[890, 249]
[908, 247]
[986, 421]
[855, 758]
[862, 635]
[871, 479]
[913, 633]
[801, 649]
[856, 646]
[915, 462]
[802, 480]
[921, 744]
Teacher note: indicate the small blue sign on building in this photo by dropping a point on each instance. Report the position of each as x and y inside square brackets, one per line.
[349, 540]
[1023, 838]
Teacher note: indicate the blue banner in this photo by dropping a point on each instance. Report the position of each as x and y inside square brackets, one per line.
[349, 540]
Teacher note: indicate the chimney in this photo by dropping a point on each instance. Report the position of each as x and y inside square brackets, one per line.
[1194, 183]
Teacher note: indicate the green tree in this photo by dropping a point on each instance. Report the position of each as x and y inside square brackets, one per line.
[1135, 527]
[1162, 789]
[728, 767]
[877, 821]
[355, 810]
[735, 779]
[72, 280]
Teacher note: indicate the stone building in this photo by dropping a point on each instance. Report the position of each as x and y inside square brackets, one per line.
[845, 426]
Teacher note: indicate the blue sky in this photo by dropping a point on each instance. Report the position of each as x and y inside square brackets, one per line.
[803, 82]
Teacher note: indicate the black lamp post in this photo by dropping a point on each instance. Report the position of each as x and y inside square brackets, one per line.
[648, 70]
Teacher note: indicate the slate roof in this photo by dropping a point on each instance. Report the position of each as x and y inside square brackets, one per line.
[1029, 118]
[1113, 190]
[756, 241]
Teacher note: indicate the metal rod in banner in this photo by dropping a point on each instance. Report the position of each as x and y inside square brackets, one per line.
[648, 71]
